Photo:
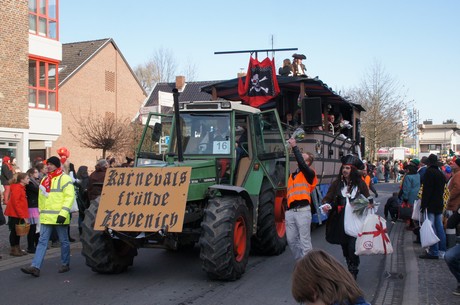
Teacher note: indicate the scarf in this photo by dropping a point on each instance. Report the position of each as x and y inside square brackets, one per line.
[45, 185]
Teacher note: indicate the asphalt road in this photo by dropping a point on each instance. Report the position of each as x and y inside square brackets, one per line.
[165, 277]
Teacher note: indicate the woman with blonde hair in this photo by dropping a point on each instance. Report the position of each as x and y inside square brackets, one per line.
[320, 279]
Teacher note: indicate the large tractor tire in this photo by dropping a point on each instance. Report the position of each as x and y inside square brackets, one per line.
[102, 253]
[271, 226]
[225, 238]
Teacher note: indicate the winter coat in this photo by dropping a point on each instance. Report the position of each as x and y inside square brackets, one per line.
[410, 188]
[433, 190]
[58, 202]
[7, 174]
[96, 181]
[454, 188]
[32, 193]
[335, 230]
[17, 205]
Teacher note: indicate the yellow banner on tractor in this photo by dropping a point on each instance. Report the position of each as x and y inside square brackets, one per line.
[143, 199]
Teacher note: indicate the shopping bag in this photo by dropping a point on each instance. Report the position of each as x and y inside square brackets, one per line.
[353, 223]
[416, 210]
[427, 235]
[373, 238]
[74, 207]
[405, 211]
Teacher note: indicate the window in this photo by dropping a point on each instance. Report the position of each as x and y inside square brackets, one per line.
[43, 84]
[43, 18]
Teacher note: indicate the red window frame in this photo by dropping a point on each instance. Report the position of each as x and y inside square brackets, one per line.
[37, 16]
[40, 91]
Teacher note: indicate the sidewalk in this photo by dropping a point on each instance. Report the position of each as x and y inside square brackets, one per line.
[408, 280]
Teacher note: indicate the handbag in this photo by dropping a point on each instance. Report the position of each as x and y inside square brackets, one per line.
[427, 235]
[22, 228]
[373, 238]
[405, 211]
[416, 210]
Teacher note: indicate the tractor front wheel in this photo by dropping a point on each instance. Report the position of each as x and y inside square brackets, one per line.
[102, 253]
[225, 238]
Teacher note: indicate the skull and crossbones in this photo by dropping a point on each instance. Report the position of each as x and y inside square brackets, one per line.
[255, 83]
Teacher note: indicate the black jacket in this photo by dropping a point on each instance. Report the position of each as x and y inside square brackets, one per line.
[433, 190]
[32, 194]
[6, 175]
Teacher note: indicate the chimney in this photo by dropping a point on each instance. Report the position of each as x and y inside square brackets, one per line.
[180, 82]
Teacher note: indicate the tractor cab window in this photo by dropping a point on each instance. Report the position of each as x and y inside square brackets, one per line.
[155, 138]
[205, 133]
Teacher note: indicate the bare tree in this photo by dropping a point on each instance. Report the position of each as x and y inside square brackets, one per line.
[161, 67]
[190, 70]
[104, 132]
[385, 102]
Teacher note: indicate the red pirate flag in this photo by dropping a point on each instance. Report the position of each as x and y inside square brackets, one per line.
[261, 84]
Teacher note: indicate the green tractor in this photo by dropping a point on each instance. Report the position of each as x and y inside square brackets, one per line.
[235, 200]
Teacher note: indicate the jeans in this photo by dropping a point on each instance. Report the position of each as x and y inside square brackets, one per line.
[452, 258]
[436, 222]
[45, 233]
[298, 231]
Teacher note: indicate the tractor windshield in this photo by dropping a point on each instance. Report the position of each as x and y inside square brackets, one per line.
[205, 133]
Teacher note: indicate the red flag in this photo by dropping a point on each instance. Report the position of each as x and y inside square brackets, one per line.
[261, 84]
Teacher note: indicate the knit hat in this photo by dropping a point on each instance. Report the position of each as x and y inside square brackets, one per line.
[416, 162]
[55, 161]
[352, 160]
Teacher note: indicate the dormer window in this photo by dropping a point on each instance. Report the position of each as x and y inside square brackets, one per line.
[43, 18]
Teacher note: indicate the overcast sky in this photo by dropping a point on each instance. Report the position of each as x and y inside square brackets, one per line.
[416, 41]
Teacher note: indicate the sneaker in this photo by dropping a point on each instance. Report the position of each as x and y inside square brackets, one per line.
[441, 254]
[428, 256]
[31, 270]
[456, 291]
[64, 268]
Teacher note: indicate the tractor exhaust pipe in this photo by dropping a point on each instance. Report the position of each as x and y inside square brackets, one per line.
[180, 154]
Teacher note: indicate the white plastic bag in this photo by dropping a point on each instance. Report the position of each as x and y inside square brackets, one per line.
[74, 207]
[373, 239]
[416, 210]
[427, 235]
[353, 223]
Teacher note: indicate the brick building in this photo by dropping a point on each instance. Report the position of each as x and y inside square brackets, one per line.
[35, 112]
[94, 80]
[30, 52]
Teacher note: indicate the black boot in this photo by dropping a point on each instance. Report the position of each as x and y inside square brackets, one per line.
[353, 268]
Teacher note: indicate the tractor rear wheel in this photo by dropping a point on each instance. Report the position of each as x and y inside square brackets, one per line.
[225, 238]
[102, 253]
[271, 227]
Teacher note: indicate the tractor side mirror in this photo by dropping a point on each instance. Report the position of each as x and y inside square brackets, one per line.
[157, 130]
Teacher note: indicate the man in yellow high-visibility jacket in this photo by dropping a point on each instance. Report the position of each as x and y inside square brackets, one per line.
[301, 185]
[55, 200]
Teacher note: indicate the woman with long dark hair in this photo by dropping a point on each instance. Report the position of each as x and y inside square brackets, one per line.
[347, 187]
[32, 203]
